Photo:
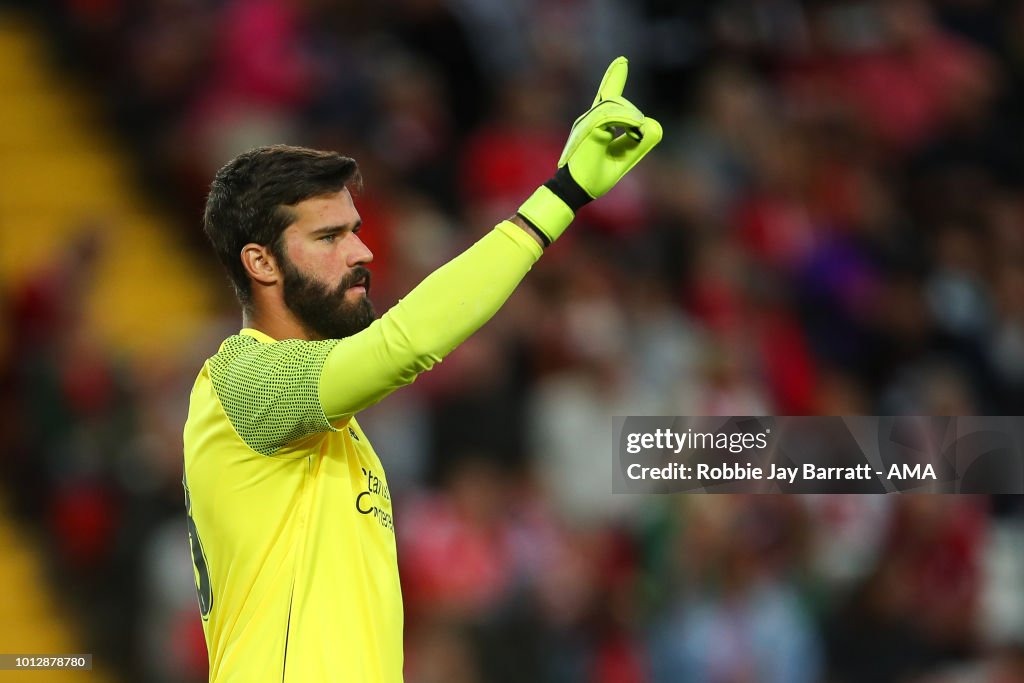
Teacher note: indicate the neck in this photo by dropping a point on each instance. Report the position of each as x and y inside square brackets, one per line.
[276, 323]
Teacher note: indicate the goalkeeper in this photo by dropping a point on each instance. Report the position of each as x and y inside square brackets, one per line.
[289, 514]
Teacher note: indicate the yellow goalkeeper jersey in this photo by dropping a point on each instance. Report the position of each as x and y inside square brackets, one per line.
[289, 514]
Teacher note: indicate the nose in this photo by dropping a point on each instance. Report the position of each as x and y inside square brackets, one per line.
[360, 253]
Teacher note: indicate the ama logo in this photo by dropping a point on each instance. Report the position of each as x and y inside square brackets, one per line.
[916, 471]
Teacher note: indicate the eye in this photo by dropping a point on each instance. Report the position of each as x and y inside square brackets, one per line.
[328, 238]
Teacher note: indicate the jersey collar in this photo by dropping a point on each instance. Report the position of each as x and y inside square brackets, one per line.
[257, 335]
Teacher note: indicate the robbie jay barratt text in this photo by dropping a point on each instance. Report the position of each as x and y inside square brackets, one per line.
[747, 471]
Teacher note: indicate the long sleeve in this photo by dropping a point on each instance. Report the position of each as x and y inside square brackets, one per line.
[440, 313]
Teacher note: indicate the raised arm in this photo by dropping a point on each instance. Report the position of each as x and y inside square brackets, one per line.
[457, 299]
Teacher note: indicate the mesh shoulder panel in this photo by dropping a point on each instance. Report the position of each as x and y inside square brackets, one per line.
[270, 392]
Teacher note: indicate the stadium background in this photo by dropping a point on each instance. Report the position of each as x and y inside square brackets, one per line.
[834, 224]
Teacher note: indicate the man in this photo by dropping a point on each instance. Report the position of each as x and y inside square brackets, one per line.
[289, 515]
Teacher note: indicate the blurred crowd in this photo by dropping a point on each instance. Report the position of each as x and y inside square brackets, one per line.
[834, 224]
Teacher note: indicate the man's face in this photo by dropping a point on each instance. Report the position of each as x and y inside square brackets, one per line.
[322, 263]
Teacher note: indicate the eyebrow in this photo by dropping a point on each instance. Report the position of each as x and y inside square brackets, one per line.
[354, 227]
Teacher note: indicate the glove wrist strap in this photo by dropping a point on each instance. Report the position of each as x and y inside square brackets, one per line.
[552, 207]
[565, 187]
[547, 213]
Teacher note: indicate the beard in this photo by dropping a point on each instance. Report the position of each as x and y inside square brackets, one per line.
[325, 313]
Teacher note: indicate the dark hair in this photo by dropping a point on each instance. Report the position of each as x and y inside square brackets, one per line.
[251, 196]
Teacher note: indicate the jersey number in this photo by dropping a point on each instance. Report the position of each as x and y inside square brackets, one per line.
[203, 587]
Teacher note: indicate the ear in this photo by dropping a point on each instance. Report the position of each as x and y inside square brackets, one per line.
[259, 263]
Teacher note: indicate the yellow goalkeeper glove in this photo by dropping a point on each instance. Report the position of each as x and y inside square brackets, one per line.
[603, 145]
